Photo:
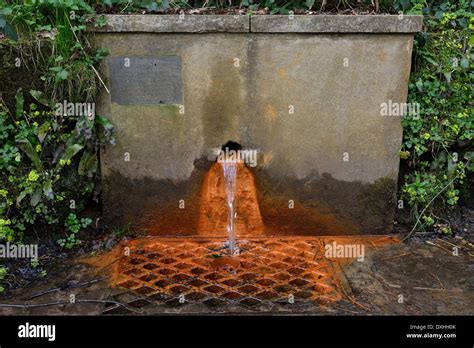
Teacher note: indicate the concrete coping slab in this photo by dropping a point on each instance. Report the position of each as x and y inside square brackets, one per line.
[175, 24]
[262, 23]
[337, 24]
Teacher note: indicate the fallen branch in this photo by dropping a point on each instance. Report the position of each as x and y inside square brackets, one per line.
[379, 277]
[436, 289]
[69, 286]
[439, 246]
[64, 302]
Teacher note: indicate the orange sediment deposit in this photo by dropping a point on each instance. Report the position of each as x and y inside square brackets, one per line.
[213, 209]
[106, 263]
[302, 220]
[227, 264]
[268, 268]
[346, 245]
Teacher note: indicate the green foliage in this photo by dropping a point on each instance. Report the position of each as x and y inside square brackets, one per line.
[48, 162]
[73, 225]
[3, 273]
[437, 146]
[273, 6]
[69, 71]
[122, 231]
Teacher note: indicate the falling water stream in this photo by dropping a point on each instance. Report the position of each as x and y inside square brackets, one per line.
[230, 174]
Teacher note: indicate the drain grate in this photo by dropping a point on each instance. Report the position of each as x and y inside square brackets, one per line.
[197, 270]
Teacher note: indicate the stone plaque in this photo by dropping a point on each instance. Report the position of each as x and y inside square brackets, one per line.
[145, 80]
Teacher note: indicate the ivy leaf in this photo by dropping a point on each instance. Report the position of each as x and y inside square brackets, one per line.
[48, 189]
[20, 198]
[419, 85]
[62, 75]
[439, 161]
[27, 148]
[5, 27]
[429, 58]
[35, 198]
[40, 97]
[106, 133]
[20, 101]
[470, 158]
[71, 151]
[6, 11]
[165, 4]
[405, 4]
[464, 63]
[448, 77]
[43, 130]
[88, 164]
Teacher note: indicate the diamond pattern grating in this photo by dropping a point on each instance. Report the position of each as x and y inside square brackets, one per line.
[197, 270]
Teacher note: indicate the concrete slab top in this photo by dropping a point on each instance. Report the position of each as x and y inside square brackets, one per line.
[262, 23]
[175, 24]
[337, 24]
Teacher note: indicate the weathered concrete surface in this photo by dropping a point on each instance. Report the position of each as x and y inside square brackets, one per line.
[336, 24]
[262, 24]
[176, 24]
[310, 106]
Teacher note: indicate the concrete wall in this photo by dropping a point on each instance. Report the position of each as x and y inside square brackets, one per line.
[304, 92]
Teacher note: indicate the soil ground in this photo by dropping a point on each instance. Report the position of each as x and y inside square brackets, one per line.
[421, 277]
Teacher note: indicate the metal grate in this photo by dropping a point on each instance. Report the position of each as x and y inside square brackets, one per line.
[198, 270]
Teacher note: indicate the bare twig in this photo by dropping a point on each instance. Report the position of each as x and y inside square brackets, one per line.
[439, 280]
[64, 302]
[82, 48]
[379, 277]
[439, 246]
[69, 286]
[436, 289]
[429, 203]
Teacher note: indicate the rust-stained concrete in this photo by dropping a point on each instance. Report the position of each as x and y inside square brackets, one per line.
[309, 103]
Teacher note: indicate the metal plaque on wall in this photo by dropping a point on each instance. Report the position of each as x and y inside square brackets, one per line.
[145, 80]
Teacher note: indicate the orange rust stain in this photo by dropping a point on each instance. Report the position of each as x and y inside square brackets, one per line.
[106, 263]
[301, 220]
[267, 159]
[229, 264]
[281, 72]
[265, 270]
[213, 208]
[270, 113]
[381, 55]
